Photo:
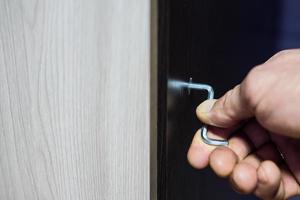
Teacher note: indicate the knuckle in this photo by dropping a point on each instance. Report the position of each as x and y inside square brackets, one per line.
[284, 52]
[255, 91]
[285, 55]
[250, 87]
[227, 104]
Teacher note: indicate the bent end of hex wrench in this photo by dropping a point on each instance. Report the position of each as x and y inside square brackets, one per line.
[210, 95]
[211, 141]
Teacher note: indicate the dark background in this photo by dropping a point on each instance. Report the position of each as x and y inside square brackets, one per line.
[215, 42]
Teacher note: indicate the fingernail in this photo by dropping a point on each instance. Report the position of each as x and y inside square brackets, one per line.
[206, 106]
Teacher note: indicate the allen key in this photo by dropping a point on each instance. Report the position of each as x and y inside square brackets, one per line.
[210, 95]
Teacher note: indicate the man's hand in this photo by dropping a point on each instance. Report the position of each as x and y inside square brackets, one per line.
[261, 119]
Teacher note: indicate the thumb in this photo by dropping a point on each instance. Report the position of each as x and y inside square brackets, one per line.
[225, 112]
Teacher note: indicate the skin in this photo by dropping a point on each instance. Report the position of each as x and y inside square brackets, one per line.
[261, 119]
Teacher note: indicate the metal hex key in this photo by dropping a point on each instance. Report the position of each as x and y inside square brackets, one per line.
[210, 91]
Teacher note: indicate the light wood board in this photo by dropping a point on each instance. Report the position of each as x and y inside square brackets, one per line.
[75, 99]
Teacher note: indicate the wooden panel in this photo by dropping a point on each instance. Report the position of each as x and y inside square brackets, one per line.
[75, 99]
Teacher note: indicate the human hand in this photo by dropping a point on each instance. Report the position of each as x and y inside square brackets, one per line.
[261, 118]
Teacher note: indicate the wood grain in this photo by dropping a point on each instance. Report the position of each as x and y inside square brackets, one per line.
[75, 99]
